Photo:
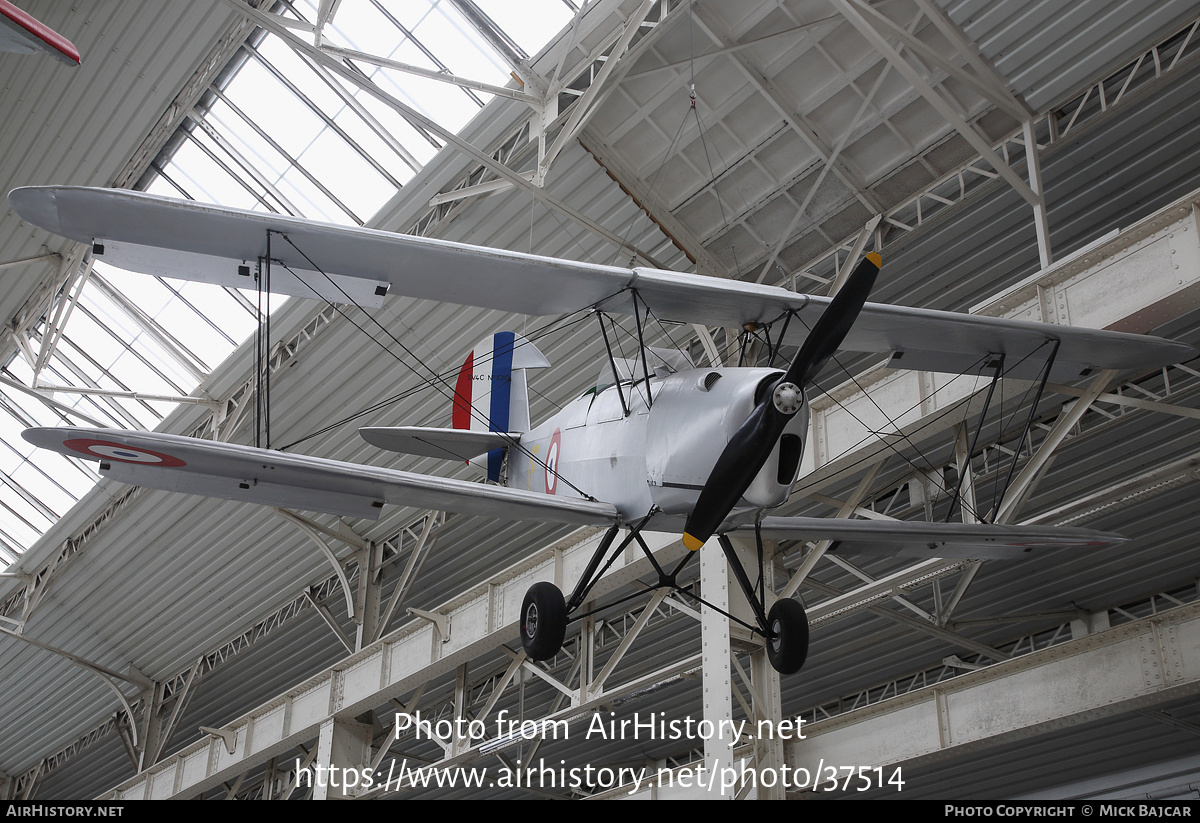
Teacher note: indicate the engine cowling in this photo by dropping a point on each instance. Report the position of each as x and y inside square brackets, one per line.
[694, 416]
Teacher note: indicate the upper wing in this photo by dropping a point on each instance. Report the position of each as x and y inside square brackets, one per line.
[244, 473]
[175, 238]
[923, 539]
[196, 241]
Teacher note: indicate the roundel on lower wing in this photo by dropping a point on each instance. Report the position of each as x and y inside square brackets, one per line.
[552, 461]
[118, 451]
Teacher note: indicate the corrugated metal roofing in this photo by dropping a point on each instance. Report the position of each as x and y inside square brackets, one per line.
[1049, 49]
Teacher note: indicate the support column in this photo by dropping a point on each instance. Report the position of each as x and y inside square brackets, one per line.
[1035, 183]
[766, 700]
[768, 708]
[722, 638]
[152, 726]
[367, 602]
[716, 668]
[343, 750]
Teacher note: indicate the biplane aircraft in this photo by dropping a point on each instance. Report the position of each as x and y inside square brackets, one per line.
[703, 452]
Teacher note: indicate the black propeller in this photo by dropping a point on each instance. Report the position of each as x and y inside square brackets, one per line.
[751, 445]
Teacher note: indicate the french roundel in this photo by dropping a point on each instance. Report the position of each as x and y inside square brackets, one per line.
[125, 454]
[552, 461]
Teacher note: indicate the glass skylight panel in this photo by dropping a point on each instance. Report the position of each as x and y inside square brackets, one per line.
[127, 413]
[102, 329]
[439, 102]
[375, 147]
[226, 312]
[151, 296]
[23, 410]
[202, 178]
[317, 205]
[409, 15]
[347, 175]
[11, 426]
[286, 118]
[102, 346]
[249, 137]
[475, 59]
[246, 139]
[46, 493]
[417, 143]
[373, 32]
[52, 482]
[20, 371]
[530, 23]
[20, 522]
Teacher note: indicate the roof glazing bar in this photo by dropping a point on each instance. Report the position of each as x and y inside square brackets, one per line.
[496, 37]
[250, 169]
[440, 76]
[329, 121]
[372, 122]
[83, 377]
[290, 207]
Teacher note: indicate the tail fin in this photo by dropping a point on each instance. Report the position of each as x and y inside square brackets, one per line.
[491, 393]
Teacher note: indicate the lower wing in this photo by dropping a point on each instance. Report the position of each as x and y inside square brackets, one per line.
[923, 539]
[244, 473]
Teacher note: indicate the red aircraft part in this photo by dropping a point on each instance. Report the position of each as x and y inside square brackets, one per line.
[21, 32]
[108, 450]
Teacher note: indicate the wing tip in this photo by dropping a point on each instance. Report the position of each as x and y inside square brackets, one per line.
[37, 205]
[39, 35]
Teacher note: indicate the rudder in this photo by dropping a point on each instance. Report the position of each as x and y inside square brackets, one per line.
[491, 392]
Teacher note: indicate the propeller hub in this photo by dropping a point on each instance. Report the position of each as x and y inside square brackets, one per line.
[787, 398]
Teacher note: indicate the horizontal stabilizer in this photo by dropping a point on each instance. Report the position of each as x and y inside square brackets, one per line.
[244, 473]
[153, 231]
[450, 444]
[976, 541]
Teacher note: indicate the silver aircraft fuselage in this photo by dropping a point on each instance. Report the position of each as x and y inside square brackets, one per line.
[659, 454]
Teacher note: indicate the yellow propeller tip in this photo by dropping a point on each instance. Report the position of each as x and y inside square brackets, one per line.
[691, 543]
[874, 257]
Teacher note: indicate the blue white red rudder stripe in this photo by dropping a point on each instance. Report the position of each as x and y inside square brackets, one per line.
[491, 393]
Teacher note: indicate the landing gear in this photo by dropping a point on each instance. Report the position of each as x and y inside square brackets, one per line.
[785, 628]
[787, 642]
[543, 621]
[545, 611]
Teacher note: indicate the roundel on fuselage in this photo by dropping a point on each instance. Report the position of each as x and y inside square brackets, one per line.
[552, 455]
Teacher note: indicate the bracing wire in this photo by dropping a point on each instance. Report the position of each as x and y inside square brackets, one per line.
[908, 437]
[435, 380]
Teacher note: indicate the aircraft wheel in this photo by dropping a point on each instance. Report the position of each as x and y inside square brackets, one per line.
[787, 647]
[543, 621]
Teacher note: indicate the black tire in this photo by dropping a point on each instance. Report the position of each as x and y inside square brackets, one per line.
[543, 621]
[787, 644]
